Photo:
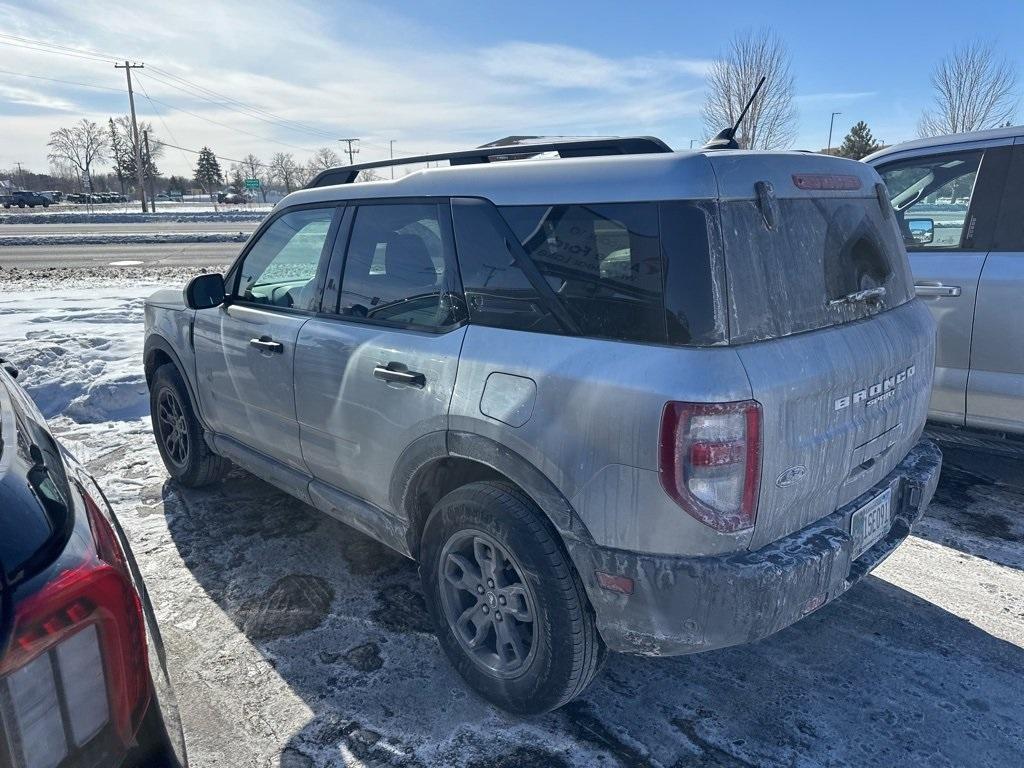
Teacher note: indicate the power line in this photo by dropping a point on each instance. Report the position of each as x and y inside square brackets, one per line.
[160, 118]
[41, 49]
[188, 87]
[105, 57]
[199, 151]
[197, 90]
[250, 110]
[230, 127]
[65, 82]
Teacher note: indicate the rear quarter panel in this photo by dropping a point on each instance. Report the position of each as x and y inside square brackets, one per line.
[593, 425]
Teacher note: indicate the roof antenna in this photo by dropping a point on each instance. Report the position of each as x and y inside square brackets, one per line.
[726, 138]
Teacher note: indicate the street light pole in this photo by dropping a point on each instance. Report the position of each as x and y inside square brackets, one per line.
[831, 122]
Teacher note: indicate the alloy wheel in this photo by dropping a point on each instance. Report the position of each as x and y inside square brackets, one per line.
[173, 427]
[488, 604]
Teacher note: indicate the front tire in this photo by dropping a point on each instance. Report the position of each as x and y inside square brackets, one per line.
[178, 433]
[510, 611]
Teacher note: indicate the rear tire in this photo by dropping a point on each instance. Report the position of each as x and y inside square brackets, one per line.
[493, 570]
[178, 433]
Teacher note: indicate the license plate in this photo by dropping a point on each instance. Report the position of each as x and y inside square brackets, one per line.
[871, 522]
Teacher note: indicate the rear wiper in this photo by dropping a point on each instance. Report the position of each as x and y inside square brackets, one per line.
[867, 296]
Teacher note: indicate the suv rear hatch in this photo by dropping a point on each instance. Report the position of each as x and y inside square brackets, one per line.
[821, 314]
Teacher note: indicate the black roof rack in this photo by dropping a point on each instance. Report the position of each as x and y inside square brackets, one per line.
[626, 145]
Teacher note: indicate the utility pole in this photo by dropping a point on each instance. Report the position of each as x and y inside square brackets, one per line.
[831, 122]
[21, 174]
[128, 67]
[392, 146]
[149, 166]
[351, 152]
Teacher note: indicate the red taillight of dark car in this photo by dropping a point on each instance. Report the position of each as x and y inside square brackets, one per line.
[74, 679]
[710, 461]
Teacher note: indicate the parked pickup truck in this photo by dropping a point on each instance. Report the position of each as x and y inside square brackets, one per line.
[24, 197]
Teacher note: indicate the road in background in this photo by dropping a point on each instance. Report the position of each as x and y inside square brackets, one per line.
[121, 228]
[119, 255]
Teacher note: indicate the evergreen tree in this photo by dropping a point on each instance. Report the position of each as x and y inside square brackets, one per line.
[119, 153]
[208, 173]
[858, 142]
[123, 149]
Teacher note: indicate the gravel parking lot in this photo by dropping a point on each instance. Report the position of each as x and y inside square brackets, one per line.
[293, 640]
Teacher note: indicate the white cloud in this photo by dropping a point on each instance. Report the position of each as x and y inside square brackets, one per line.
[31, 98]
[347, 72]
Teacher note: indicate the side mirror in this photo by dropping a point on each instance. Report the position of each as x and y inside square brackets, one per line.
[205, 291]
[922, 231]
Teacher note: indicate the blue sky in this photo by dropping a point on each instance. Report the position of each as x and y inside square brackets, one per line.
[448, 74]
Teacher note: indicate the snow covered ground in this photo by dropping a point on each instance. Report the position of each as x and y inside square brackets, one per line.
[108, 238]
[296, 641]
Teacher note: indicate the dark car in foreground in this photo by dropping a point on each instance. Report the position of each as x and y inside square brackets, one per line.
[83, 681]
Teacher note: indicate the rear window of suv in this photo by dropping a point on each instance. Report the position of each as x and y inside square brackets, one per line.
[794, 276]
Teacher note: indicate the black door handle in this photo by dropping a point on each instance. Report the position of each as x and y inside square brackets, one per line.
[267, 344]
[396, 373]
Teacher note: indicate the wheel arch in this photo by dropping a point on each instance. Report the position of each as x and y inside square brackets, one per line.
[157, 352]
[440, 462]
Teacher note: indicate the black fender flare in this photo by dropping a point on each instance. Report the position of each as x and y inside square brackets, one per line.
[458, 444]
[155, 342]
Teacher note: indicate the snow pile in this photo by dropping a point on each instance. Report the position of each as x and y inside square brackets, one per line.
[79, 351]
[76, 277]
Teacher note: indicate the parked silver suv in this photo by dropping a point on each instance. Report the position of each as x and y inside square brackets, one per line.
[630, 399]
[959, 201]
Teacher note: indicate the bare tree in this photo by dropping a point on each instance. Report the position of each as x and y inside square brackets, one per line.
[285, 171]
[974, 90]
[82, 145]
[255, 169]
[771, 122]
[322, 159]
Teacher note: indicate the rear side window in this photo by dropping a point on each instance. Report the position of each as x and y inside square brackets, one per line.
[639, 272]
[796, 275]
[399, 267]
[603, 261]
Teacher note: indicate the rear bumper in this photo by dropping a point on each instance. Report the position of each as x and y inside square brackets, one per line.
[686, 605]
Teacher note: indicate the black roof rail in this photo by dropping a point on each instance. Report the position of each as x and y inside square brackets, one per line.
[626, 145]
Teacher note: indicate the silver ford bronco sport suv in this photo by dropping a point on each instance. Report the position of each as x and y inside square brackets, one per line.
[622, 399]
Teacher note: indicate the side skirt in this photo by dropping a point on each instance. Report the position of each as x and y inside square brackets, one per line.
[351, 510]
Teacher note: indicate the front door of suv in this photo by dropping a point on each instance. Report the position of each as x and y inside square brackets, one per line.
[945, 203]
[245, 349]
[376, 369]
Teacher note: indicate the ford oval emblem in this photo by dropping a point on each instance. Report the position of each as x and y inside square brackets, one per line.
[791, 476]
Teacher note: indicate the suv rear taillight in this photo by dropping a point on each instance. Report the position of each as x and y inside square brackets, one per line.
[710, 461]
[74, 681]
